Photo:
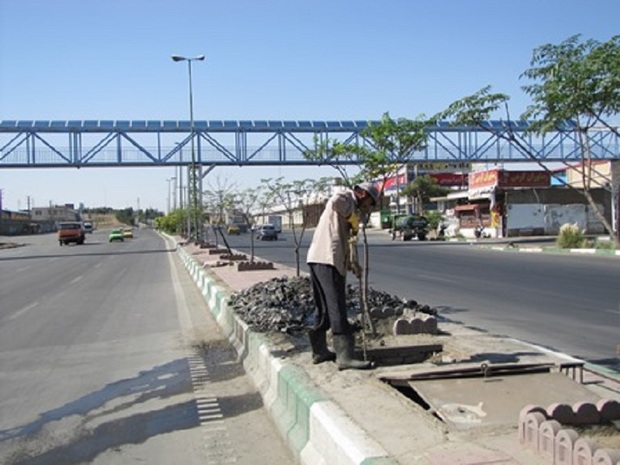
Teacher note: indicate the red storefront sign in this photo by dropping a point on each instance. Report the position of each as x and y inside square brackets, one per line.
[390, 183]
[481, 179]
[450, 179]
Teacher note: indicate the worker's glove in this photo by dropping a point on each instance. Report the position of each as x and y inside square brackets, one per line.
[356, 269]
[353, 265]
[354, 223]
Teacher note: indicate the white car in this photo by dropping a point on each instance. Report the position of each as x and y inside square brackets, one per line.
[266, 232]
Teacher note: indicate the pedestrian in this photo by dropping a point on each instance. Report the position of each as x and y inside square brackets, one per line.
[329, 259]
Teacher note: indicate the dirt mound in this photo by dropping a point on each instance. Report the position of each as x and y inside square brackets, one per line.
[286, 305]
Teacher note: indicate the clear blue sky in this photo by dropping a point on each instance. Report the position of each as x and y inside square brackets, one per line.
[266, 59]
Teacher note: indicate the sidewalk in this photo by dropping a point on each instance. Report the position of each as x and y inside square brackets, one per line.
[385, 416]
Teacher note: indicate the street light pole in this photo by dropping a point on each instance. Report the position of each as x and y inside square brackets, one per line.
[195, 209]
[180, 175]
[169, 180]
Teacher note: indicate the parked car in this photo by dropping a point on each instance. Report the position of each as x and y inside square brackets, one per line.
[128, 232]
[266, 232]
[116, 235]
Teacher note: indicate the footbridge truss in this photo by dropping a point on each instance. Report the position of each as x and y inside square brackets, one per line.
[107, 143]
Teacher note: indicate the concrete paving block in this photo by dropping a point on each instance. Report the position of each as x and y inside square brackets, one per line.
[609, 409]
[586, 413]
[562, 413]
[530, 408]
[429, 325]
[401, 327]
[606, 457]
[564, 446]
[531, 429]
[417, 325]
[546, 440]
[583, 451]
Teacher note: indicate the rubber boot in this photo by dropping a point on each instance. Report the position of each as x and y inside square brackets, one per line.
[344, 345]
[320, 352]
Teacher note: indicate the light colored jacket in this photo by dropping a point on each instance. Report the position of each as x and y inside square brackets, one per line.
[330, 243]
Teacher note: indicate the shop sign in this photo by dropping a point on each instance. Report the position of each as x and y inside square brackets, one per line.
[524, 179]
[505, 179]
[443, 166]
[449, 179]
[483, 179]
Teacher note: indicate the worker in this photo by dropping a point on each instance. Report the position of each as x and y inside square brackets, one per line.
[329, 259]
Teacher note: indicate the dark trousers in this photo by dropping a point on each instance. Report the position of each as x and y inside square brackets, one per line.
[329, 289]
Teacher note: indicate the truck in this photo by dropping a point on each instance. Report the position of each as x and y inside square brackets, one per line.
[276, 220]
[408, 226]
[71, 231]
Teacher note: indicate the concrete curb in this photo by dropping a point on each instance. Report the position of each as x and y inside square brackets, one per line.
[557, 250]
[316, 429]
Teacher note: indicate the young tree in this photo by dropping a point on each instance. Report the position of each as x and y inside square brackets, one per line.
[246, 202]
[219, 199]
[338, 155]
[575, 88]
[294, 197]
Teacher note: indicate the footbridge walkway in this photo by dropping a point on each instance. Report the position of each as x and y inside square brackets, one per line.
[131, 143]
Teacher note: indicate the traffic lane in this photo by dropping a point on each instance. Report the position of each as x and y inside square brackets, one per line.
[80, 290]
[90, 379]
[525, 305]
[558, 301]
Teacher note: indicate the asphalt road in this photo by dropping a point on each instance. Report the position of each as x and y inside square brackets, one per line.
[107, 357]
[565, 302]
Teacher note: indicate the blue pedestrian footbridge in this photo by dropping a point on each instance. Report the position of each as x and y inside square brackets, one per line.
[135, 143]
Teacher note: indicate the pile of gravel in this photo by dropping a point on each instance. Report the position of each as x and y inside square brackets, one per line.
[286, 305]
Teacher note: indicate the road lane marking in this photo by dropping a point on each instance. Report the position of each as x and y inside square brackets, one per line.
[432, 277]
[75, 280]
[23, 310]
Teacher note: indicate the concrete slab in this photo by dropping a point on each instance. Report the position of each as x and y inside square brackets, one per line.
[496, 401]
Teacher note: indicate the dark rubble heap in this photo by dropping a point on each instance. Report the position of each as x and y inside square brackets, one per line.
[286, 305]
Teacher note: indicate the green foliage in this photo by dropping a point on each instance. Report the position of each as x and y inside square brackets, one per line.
[125, 216]
[392, 145]
[172, 223]
[434, 219]
[422, 188]
[388, 146]
[604, 245]
[575, 81]
[570, 236]
[474, 109]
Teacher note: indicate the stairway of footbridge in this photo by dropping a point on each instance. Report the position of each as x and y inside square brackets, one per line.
[107, 143]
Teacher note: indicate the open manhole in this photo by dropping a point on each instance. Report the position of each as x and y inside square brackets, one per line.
[488, 395]
[400, 355]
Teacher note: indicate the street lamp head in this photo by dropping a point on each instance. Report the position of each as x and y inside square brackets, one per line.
[180, 58]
